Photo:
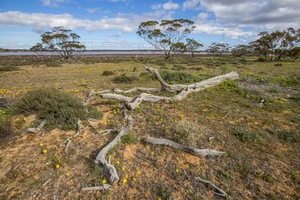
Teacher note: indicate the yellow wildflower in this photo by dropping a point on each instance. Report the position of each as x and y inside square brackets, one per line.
[57, 166]
[68, 174]
[104, 181]
[45, 151]
[138, 172]
[41, 144]
[124, 180]
[123, 168]
[24, 118]
[118, 162]
[176, 170]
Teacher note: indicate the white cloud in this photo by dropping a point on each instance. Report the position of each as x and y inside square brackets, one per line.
[156, 6]
[40, 21]
[250, 12]
[202, 16]
[170, 6]
[52, 3]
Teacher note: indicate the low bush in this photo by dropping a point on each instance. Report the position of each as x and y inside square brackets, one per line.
[179, 77]
[108, 73]
[60, 109]
[124, 79]
[5, 124]
[8, 68]
[53, 64]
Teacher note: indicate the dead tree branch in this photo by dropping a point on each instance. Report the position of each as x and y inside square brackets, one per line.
[103, 187]
[100, 159]
[220, 192]
[69, 139]
[188, 149]
[35, 130]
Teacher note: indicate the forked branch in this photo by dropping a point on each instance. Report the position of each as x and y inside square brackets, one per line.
[100, 159]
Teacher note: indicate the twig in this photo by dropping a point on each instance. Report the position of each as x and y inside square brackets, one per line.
[103, 187]
[220, 192]
[34, 130]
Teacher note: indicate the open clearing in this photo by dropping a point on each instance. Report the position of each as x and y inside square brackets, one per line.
[261, 141]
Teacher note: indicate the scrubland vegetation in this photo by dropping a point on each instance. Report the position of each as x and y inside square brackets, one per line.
[255, 120]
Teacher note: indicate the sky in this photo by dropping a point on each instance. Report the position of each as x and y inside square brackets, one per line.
[112, 24]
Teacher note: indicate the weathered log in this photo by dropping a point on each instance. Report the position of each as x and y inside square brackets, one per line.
[189, 149]
[196, 86]
[35, 130]
[111, 171]
[182, 90]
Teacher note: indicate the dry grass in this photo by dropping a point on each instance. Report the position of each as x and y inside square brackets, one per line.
[262, 143]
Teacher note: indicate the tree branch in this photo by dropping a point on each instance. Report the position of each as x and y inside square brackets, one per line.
[100, 159]
[188, 149]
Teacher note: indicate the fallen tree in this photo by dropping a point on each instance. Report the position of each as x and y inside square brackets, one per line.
[130, 103]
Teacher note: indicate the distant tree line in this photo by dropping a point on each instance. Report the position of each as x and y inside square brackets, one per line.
[171, 36]
[272, 46]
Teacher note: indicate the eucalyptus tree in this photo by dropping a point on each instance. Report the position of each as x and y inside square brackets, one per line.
[192, 45]
[166, 35]
[218, 48]
[63, 43]
[276, 44]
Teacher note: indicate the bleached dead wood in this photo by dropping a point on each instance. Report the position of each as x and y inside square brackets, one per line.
[220, 192]
[195, 86]
[100, 159]
[69, 139]
[189, 149]
[102, 187]
[35, 130]
[182, 90]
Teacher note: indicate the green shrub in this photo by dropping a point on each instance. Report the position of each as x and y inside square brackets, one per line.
[5, 125]
[129, 138]
[8, 68]
[108, 73]
[262, 59]
[60, 109]
[124, 79]
[278, 65]
[230, 85]
[178, 67]
[53, 64]
[247, 136]
[179, 77]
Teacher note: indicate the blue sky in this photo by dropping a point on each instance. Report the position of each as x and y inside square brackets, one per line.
[112, 24]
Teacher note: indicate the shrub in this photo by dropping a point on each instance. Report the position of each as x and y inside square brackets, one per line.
[8, 68]
[53, 64]
[262, 59]
[278, 65]
[108, 73]
[179, 77]
[124, 79]
[178, 67]
[60, 109]
[5, 125]
[247, 136]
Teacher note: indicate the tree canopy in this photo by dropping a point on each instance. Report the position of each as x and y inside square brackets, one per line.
[166, 35]
[61, 42]
[277, 44]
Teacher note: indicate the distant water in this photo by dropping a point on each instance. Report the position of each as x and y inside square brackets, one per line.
[29, 53]
[112, 52]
